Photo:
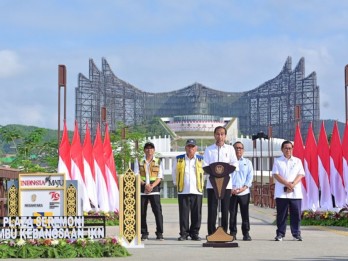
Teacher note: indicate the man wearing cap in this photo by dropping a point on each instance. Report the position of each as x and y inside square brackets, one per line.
[151, 172]
[188, 177]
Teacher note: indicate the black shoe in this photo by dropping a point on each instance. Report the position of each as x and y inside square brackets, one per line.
[160, 237]
[196, 238]
[278, 238]
[298, 238]
[182, 238]
[144, 237]
[234, 237]
[247, 238]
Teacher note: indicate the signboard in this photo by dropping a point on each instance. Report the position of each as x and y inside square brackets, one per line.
[45, 227]
[43, 206]
[41, 193]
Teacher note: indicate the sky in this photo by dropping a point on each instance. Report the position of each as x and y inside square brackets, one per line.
[165, 45]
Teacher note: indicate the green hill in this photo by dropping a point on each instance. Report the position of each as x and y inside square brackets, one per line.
[22, 131]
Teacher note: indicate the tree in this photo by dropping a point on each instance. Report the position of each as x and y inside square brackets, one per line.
[10, 135]
[125, 142]
[33, 154]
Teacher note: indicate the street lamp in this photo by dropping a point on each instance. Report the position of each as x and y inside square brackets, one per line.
[260, 135]
[61, 84]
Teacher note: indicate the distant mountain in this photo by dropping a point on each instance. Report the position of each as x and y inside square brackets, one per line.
[329, 127]
[49, 135]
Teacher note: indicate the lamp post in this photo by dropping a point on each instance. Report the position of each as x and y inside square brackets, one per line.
[260, 135]
[61, 84]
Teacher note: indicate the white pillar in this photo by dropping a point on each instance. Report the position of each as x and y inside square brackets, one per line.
[165, 189]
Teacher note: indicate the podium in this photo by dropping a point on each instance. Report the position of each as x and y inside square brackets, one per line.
[219, 178]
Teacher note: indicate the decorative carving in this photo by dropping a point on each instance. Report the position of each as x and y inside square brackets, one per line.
[71, 201]
[13, 201]
[129, 204]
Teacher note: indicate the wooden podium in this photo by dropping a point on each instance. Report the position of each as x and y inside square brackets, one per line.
[219, 178]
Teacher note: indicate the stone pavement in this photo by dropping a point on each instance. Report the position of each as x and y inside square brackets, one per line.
[319, 243]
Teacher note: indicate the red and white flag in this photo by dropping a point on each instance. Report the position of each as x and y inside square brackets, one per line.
[110, 170]
[324, 170]
[299, 153]
[345, 159]
[99, 168]
[64, 162]
[336, 170]
[77, 169]
[88, 163]
[311, 169]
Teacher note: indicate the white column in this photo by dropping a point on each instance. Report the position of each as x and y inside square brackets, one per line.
[165, 189]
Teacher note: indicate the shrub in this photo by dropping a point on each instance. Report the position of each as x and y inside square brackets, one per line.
[49, 248]
[324, 218]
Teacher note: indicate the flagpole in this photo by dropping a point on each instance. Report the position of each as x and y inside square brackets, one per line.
[61, 84]
[346, 92]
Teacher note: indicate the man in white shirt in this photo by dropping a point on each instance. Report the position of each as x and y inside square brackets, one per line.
[188, 177]
[219, 152]
[288, 172]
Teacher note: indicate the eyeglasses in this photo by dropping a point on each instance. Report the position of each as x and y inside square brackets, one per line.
[239, 148]
[287, 148]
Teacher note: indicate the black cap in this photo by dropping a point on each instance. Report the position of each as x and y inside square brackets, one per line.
[191, 142]
[149, 144]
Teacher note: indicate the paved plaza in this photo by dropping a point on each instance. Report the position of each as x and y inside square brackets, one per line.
[320, 243]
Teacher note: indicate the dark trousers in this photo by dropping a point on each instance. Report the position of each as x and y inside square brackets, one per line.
[285, 205]
[243, 202]
[213, 209]
[190, 203]
[155, 201]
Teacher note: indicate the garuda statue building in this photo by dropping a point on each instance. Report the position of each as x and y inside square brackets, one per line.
[103, 96]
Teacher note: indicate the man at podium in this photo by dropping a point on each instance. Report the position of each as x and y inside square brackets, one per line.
[219, 152]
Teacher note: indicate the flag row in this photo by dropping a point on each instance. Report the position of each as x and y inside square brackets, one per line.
[93, 166]
[325, 185]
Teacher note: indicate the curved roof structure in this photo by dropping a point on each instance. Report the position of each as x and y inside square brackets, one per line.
[273, 103]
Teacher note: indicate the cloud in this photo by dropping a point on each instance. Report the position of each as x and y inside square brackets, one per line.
[9, 64]
[161, 46]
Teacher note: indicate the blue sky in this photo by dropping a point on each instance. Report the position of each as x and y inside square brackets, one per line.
[167, 45]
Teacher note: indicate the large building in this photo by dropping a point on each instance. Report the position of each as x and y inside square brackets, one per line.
[104, 97]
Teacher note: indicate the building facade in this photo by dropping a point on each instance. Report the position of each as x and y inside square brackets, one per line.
[280, 102]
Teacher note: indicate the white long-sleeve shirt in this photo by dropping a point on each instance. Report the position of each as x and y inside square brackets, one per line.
[225, 153]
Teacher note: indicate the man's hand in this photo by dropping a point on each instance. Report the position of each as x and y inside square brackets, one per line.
[237, 191]
[290, 186]
[148, 188]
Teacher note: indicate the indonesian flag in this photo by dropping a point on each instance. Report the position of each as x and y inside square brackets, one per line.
[336, 171]
[111, 175]
[88, 163]
[324, 170]
[299, 153]
[77, 169]
[64, 162]
[311, 169]
[345, 159]
[99, 168]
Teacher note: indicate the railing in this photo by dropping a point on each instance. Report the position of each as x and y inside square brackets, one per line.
[263, 195]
